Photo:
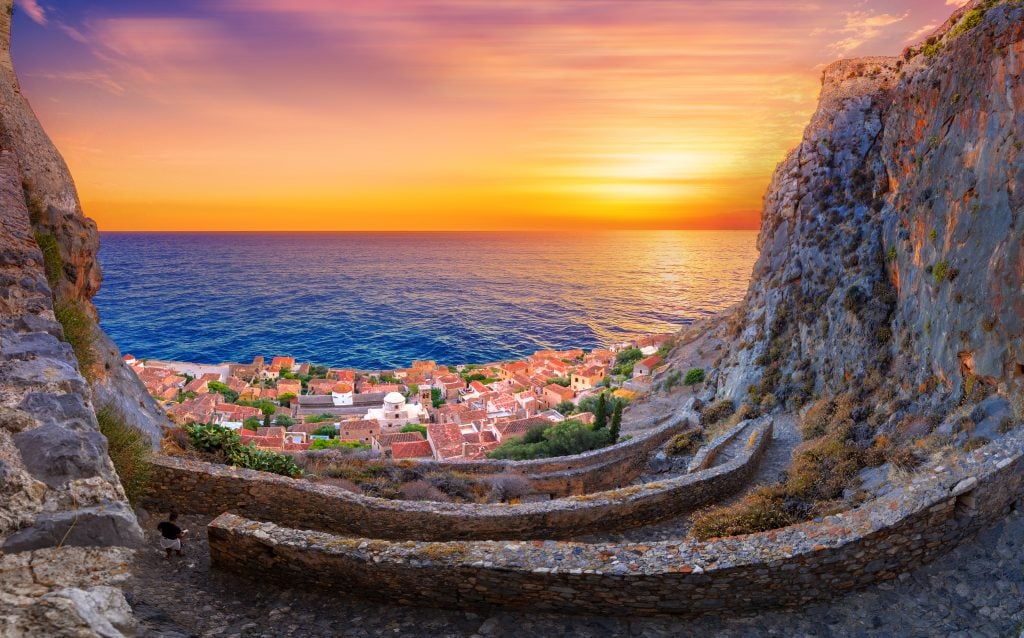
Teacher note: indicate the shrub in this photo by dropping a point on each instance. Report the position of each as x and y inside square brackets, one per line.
[717, 411]
[561, 439]
[683, 443]
[286, 399]
[252, 458]
[421, 490]
[284, 420]
[452, 483]
[672, 379]
[816, 419]
[973, 444]
[625, 359]
[219, 440]
[562, 381]
[507, 487]
[207, 437]
[53, 263]
[326, 430]
[759, 511]
[253, 423]
[79, 333]
[970, 20]
[565, 408]
[941, 272]
[324, 444]
[222, 389]
[129, 449]
[415, 427]
[320, 418]
[694, 376]
[436, 397]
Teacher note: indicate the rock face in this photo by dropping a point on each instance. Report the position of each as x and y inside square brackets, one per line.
[55, 211]
[891, 239]
[66, 530]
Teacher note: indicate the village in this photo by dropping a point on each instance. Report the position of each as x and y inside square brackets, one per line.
[425, 411]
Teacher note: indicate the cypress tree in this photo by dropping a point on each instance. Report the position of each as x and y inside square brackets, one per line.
[601, 413]
[616, 422]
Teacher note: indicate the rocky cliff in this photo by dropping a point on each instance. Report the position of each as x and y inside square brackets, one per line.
[69, 241]
[66, 528]
[891, 258]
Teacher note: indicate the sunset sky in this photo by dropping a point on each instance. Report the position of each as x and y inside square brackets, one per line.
[436, 114]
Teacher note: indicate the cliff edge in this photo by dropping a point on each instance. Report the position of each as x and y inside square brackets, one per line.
[69, 241]
[891, 264]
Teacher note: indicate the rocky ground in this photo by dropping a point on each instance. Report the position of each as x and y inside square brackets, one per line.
[976, 590]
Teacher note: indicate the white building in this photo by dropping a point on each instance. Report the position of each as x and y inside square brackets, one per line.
[341, 394]
[396, 412]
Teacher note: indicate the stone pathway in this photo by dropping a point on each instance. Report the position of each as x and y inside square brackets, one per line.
[785, 438]
[976, 590]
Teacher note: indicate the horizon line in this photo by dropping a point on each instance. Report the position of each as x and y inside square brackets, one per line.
[432, 232]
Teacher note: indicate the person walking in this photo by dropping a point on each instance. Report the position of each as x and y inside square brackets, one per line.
[171, 535]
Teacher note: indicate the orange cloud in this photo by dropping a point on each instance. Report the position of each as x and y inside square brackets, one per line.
[317, 114]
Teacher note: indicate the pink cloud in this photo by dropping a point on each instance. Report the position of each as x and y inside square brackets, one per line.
[33, 10]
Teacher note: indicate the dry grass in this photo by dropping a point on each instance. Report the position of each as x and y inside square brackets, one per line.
[129, 452]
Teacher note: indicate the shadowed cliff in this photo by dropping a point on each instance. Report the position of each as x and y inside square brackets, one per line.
[70, 243]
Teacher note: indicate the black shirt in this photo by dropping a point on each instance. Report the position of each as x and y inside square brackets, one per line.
[169, 530]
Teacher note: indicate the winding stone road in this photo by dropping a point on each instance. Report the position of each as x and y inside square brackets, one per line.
[976, 590]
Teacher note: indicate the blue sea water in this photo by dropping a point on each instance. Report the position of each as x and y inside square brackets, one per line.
[375, 300]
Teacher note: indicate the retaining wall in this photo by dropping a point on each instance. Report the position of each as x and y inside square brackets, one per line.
[191, 486]
[786, 567]
[602, 469]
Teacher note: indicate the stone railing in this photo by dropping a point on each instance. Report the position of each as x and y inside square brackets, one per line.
[191, 486]
[705, 456]
[785, 567]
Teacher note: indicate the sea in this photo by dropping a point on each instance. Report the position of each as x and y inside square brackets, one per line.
[382, 300]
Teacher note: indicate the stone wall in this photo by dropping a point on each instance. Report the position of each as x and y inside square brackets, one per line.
[786, 567]
[594, 471]
[191, 486]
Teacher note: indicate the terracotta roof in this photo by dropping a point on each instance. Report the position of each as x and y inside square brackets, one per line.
[651, 362]
[446, 439]
[565, 393]
[411, 450]
[387, 441]
[521, 426]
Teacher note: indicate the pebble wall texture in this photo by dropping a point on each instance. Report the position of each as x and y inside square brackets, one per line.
[206, 488]
[785, 567]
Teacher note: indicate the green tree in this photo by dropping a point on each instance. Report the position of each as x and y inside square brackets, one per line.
[565, 408]
[284, 420]
[562, 381]
[616, 425]
[625, 359]
[415, 427]
[436, 397]
[222, 389]
[286, 399]
[601, 412]
[252, 423]
[326, 430]
[694, 376]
